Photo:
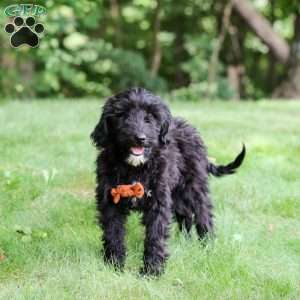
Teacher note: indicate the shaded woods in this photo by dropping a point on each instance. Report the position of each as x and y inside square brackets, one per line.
[237, 49]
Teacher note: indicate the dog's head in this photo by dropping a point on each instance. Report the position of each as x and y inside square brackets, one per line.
[134, 123]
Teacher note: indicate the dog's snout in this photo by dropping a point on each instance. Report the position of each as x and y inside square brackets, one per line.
[140, 138]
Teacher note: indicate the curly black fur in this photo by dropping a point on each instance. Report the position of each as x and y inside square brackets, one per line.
[174, 168]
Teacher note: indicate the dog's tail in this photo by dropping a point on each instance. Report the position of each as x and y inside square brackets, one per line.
[228, 169]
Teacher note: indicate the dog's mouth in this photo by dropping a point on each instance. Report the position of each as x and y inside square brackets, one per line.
[137, 151]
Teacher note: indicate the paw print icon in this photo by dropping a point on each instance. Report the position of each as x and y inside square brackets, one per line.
[24, 32]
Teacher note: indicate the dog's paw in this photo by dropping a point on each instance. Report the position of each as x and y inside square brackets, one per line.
[151, 271]
[24, 33]
[116, 262]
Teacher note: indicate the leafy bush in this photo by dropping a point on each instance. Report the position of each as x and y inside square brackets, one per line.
[197, 66]
[94, 48]
[72, 60]
[92, 68]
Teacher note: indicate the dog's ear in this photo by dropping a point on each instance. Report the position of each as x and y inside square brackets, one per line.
[164, 129]
[164, 132]
[100, 134]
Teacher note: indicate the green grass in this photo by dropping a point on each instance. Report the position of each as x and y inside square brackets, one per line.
[48, 233]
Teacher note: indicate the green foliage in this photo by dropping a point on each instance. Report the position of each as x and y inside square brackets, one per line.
[92, 68]
[94, 48]
[200, 50]
[49, 240]
[71, 62]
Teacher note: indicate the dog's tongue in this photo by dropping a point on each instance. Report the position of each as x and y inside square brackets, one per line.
[137, 150]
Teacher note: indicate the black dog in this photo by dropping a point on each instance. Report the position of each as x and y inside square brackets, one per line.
[141, 141]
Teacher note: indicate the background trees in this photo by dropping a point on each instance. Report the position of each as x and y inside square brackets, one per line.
[235, 49]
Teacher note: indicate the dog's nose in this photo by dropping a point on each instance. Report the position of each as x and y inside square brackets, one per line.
[140, 138]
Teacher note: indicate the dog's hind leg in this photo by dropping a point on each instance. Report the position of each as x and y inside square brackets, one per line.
[179, 220]
[183, 210]
[184, 223]
[203, 213]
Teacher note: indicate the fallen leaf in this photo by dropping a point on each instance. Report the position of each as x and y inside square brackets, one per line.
[271, 227]
[2, 257]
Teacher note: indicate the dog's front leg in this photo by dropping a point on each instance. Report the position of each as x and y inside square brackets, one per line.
[156, 220]
[113, 225]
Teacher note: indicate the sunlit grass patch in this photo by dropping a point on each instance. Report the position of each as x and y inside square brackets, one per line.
[50, 242]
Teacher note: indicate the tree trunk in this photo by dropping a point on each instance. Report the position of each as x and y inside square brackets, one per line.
[270, 78]
[290, 88]
[235, 74]
[263, 29]
[156, 57]
[8, 63]
[214, 60]
[235, 56]
[115, 16]
[181, 78]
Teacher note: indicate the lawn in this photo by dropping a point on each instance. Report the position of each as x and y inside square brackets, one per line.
[49, 239]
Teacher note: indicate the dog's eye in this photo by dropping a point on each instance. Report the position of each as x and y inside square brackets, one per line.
[122, 115]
